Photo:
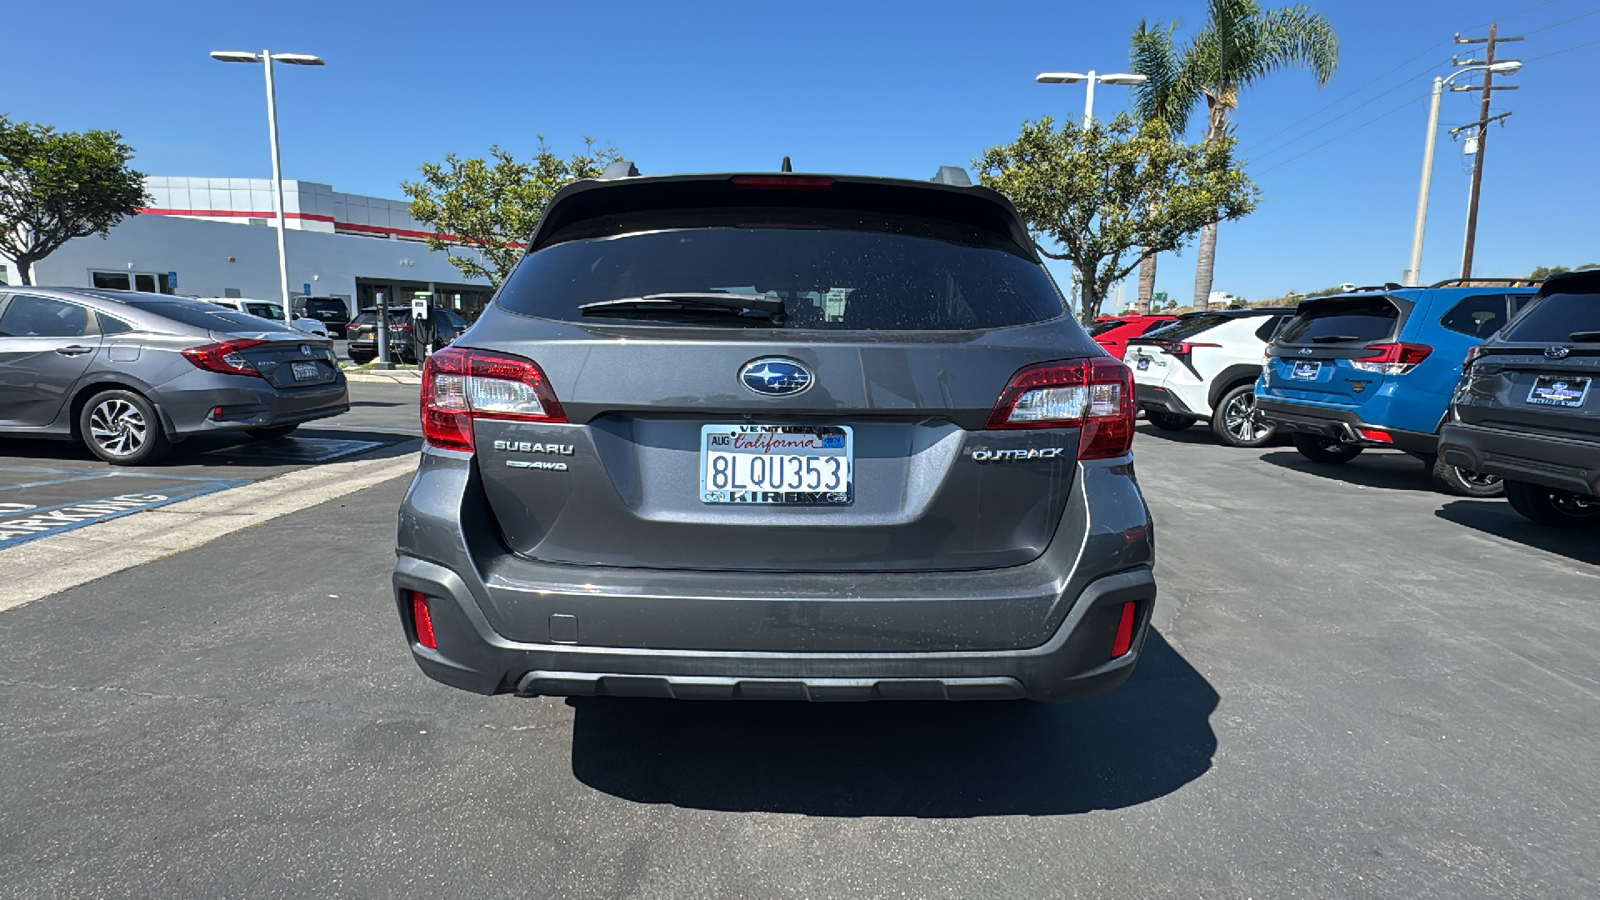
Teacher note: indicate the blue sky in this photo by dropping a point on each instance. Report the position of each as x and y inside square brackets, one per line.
[879, 88]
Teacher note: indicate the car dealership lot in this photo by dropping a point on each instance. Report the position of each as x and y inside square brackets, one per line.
[1357, 686]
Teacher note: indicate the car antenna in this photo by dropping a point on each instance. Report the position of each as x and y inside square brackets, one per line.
[786, 166]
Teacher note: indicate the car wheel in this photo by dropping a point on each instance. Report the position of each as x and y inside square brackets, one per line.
[122, 428]
[1548, 506]
[1234, 422]
[1167, 421]
[1321, 449]
[273, 433]
[1462, 483]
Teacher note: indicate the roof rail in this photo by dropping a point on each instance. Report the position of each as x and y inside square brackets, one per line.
[619, 169]
[1502, 282]
[1386, 286]
[953, 175]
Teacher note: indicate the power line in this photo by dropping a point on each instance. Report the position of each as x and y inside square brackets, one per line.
[1567, 50]
[1346, 133]
[1402, 85]
[1592, 12]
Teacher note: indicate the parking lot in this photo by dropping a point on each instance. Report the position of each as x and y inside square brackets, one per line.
[1355, 686]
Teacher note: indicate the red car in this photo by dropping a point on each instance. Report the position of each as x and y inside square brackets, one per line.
[1113, 333]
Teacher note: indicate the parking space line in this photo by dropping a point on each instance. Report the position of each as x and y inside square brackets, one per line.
[13, 487]
[95, 507]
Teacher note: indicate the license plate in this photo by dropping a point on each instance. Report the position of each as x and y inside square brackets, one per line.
[304, 371]
[1555, 390]
[1305, 371]
[1143, 364]
[790, 465]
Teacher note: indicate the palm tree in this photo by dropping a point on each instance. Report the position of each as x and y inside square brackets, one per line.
[1163, 103]
[1240, 43]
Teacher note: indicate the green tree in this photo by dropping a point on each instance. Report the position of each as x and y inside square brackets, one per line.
[1540, 273]
[1240, 44]
[1163, 104]
[56, 186]
[1110, 195]
[490, 207]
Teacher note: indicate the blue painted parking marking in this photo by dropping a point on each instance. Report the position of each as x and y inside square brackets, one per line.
[49, 508]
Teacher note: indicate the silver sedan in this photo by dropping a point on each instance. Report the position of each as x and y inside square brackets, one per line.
[130, 374]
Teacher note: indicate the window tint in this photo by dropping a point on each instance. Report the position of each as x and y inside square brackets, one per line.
[1103, 327]
[1269, 328]
[211, 317]
[365, 319]
[1156, 325]
[265, 311]
[912, 275]
[1555, 318]
[110, 325]
[1188, 327]
[1479, 315]
[1342, 321]
[29, 316]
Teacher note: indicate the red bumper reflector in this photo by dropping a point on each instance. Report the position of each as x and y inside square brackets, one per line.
[1124, 640]
[1373, 434]
[424, 622]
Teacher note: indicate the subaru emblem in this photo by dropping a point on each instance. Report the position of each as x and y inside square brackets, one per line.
[1305, 351]
[1556, 352]
[305, 351]
[775, 377]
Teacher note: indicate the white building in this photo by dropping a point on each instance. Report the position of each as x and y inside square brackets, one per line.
[213, 237]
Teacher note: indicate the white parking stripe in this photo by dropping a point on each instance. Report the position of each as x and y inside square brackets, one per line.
[53, 564]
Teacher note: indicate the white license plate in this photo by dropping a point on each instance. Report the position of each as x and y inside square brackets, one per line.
[1555, 390]
[1305, 371]
[799, 465]
[304, 371]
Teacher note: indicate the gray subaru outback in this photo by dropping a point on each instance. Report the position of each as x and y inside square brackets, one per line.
[777, 436]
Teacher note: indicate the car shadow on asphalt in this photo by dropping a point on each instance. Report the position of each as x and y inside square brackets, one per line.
[1374, 468]
[1497, 518]
[1198, 433]
[230, 451]
[1139, 742]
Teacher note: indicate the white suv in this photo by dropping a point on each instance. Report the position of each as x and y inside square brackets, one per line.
[273, 310]
[1204, 366]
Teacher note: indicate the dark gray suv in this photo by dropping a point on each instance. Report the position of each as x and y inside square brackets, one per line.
[778, 437]
[130, 374]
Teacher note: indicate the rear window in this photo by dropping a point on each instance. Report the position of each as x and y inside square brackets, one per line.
[325, 306]
[1479, 315]
[877, 274]
[1342, 321]
[207, 316]
[1556, 318]
[1188, 327]
[1103, 327]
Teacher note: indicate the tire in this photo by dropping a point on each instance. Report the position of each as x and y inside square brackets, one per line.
[273, 433]
[1317, 448]
[1167, 421]
[1233, 421]
[122, 428]
[1458, 481]
[1548, 506]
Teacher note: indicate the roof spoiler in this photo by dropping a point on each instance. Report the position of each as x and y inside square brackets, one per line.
[619, 169]
[952, 175]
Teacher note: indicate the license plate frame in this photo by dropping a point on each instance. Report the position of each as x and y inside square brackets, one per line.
[1305, 370]
[741, 482]
[304, 371]
[1556, 390]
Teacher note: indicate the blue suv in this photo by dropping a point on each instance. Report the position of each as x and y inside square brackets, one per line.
[1376, 368]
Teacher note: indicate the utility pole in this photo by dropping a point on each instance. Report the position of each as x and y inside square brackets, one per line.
[1482, 125]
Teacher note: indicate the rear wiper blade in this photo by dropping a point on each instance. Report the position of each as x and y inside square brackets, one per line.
[1584, 337]
[689, 302]
[1334, 339]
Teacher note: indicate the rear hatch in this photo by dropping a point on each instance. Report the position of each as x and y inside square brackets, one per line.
[286, 359]
[1340, 351]
[363, 329]
[1543, 374]
[1165, 350]
[781, 378]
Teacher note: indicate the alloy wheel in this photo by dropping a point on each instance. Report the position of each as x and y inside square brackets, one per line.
[1239, 417]
[118, 427]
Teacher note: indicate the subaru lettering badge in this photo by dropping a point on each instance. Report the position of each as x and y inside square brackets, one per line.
[1556, 352]
[775, 377]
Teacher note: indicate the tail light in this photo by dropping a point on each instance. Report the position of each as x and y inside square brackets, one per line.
[1181, 348]
[783, 182]
[224, 356]
[1396, 358]
[1472, 357]
[1094, 395]
[399, 327]
[460, 385]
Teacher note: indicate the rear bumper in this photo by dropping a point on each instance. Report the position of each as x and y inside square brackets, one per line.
[1044, 630]
[1339, 424]
[189, 401]
[1157, 397]
[1560, 463]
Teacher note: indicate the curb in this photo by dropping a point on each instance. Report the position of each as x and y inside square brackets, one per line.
[385, 377]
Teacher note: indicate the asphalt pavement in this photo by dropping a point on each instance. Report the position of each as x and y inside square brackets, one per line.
[1356, 687]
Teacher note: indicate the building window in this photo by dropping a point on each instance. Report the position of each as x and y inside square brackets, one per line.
[5, 275]
[112, 281]
[256, 221]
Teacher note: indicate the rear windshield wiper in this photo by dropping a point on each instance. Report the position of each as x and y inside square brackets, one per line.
[689, 303]
[1334, 339]
[1584, 337]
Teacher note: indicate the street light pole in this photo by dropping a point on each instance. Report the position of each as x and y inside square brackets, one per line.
[267, 58]
[1090, 77]
[1413, 275]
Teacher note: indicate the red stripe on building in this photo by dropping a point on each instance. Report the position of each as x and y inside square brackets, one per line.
[234, 213]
